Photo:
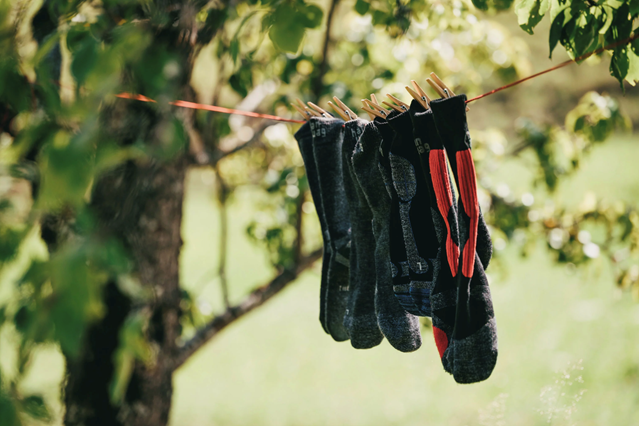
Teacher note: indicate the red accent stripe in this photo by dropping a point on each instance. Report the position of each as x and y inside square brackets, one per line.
[193, 105]
[444, 195]
[441, 340]
[468, 194]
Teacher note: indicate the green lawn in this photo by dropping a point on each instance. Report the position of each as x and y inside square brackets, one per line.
[277, 367]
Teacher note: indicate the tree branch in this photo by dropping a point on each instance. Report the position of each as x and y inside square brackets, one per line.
[223, 192]
[316, 85]
[255, 299]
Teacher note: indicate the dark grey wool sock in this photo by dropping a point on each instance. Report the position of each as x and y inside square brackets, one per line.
[418, 231]
[360, 319]
[398, 326]
[398, 254]
[328, 136]
[304, 139]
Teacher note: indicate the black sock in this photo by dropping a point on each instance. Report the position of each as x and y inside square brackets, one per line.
[398, 255]
[418, 230]
[472, 351]
[328, 136]
[456, 140]
[444, 294]
[398, 326]
[304, 139]
[360, 319]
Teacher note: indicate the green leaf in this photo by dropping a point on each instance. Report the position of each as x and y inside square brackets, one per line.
[287, 36]
[530, 13]
[609, 16]
[35, 407]
[311, 16]
[8, 412]
[234, 49]
[84, 59]
[362, 7]
[555, 31]
[634, 7]
[633, 67]
[481, 4]
[288, 26]
[619, 65]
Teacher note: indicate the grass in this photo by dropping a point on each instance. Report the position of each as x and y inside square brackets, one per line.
[277, 367]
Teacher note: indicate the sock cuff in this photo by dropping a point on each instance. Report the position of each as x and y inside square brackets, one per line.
[451, 123]
[303, 132]
[325, 130]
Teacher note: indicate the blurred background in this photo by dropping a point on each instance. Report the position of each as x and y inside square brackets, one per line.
[559, 195]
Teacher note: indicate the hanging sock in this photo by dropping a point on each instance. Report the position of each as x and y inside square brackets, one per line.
[400, 328]
[304, 139]
[398, 255]
[471, 350]
[328, 136]
[418, 232]
[453, 130]
[444, 215]
[360, 319]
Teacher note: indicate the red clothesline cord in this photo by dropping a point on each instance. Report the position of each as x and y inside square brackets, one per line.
[193, 105]
[556, 67]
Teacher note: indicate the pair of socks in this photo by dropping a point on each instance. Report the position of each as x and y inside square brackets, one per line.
[320, 142]
[463, 318]
[360, 319]
[400, 328]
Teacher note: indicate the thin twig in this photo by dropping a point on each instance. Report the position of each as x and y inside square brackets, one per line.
[222, 197]
[317, 83]
[254, 300]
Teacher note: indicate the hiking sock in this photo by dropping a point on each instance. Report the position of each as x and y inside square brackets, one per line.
[328, 136]
[400, 328]
[443, 296]
[398, 255]
[472, 351]
[360, 319]
[450, 120]
[304, 139]
[418, 231]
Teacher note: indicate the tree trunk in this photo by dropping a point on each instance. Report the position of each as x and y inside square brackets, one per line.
[142, 205]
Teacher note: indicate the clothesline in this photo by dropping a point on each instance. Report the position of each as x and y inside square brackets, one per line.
[214, 108]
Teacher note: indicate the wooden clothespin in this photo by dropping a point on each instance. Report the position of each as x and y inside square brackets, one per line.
[374, 105]
[307, 110]
[437, 88]
[345, 108]
[339, 111]
[444, 89]
[371, 110]
[400, 107]
[319, 110]
[305, 114]
[419, 95]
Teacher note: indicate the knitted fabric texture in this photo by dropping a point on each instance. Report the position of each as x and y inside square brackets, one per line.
[418, 230]
[328, 136]
[398, 255]
[471, 353]
[360, 319]
[304, 139]
[453, 129]
[400, 328]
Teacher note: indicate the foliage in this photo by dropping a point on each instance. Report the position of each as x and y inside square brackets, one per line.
[62, 64]
[585, 26]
